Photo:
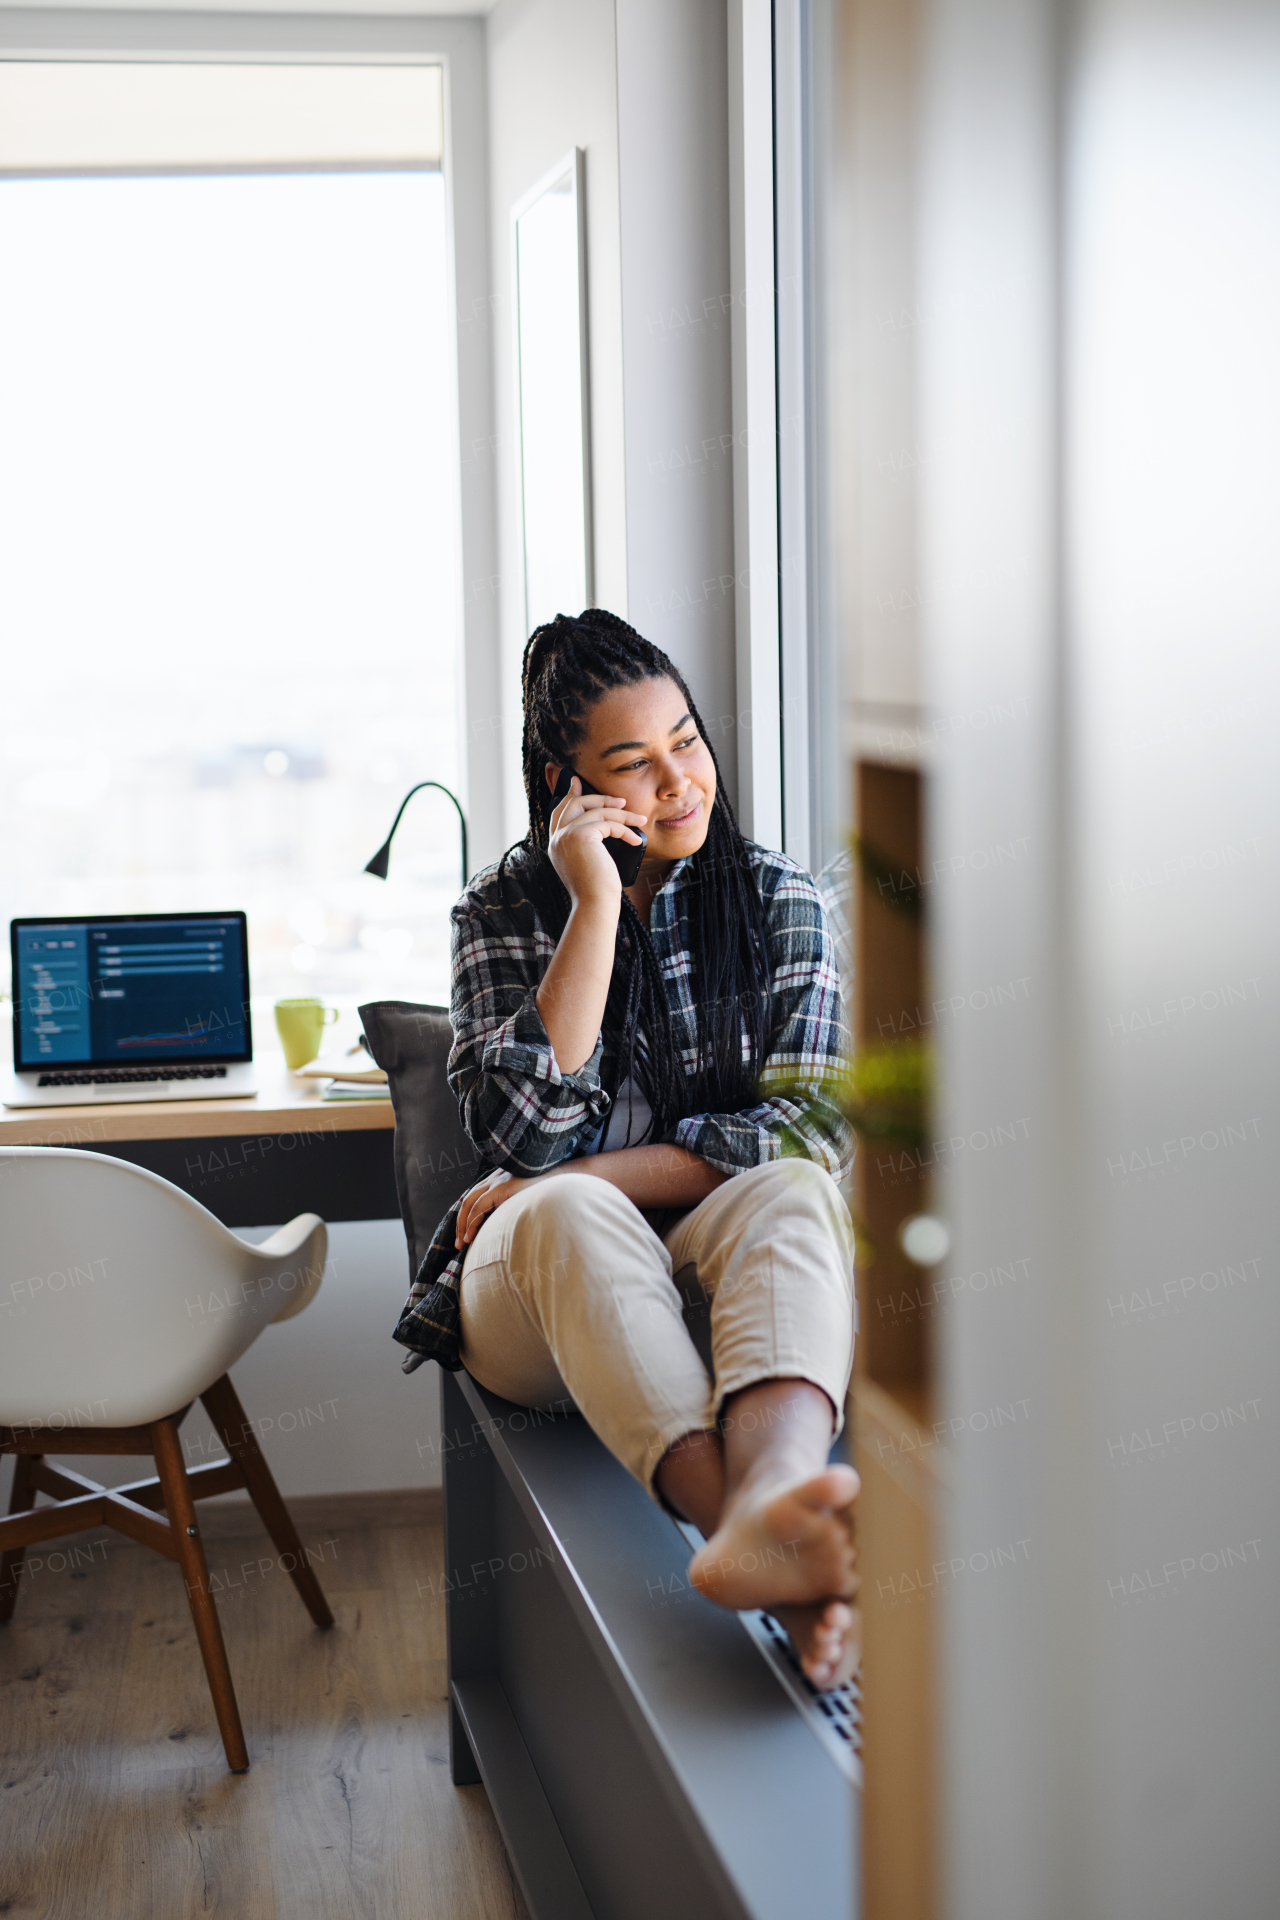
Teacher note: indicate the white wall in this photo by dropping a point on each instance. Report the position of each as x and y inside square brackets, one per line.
[1100, 407]
[677, 317]
[641, 87]
[552, 87]
[344, 1419]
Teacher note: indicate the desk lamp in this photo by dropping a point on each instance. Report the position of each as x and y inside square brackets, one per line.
[382, 858]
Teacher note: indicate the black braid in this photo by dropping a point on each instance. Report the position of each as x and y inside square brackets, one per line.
[568, 665]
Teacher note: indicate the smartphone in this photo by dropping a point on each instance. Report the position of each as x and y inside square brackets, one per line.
[624, 856]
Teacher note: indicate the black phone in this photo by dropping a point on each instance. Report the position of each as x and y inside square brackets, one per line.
[624, 856]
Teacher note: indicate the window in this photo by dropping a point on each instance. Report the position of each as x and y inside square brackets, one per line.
[228, 489]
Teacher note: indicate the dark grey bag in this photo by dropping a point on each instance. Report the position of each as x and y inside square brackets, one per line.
[435, 1161]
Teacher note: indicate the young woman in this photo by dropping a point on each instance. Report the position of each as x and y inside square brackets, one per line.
[644, 1069]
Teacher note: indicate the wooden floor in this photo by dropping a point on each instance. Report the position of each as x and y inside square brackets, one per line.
[115, 1800]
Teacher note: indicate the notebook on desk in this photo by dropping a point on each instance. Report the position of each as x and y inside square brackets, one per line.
[130, 1007]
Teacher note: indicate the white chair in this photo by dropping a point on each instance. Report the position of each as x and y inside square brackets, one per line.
[122, 1301]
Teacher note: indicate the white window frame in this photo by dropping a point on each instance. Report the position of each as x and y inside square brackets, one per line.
[789, 764]
[457, 47]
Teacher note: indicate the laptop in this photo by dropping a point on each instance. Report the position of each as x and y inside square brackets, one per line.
[130, 1007]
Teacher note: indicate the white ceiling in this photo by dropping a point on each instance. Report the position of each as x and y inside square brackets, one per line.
[422, 9]
[65, 114]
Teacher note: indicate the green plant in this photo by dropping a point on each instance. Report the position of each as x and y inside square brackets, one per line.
[884, 1092]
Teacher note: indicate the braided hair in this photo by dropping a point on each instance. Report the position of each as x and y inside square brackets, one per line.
[568, 665]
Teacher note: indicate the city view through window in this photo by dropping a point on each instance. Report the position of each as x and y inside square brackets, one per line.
[227, 482]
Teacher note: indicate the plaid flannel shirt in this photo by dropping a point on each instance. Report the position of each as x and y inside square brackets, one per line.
[525, 1115]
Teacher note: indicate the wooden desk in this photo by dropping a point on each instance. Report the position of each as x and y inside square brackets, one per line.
[252, 1162]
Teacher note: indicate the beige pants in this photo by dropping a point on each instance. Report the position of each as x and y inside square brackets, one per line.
[568, 1295]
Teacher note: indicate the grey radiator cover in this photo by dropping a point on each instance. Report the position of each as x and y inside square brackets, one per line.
[642, 1756]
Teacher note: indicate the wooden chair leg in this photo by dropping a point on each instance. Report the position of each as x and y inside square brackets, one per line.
[21, 1499]
[195, 1571]
[223, 1405]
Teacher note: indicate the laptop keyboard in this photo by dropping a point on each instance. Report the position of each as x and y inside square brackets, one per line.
[129, 1076]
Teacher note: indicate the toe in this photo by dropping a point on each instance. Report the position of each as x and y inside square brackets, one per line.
[822, 1659]
[836, 1488]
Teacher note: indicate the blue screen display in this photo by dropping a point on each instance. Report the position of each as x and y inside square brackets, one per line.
[127, 992]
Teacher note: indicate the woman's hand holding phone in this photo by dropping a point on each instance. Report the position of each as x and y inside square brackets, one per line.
[580, 827]
[571, 998]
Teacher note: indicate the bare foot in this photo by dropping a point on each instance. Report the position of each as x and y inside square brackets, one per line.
[782, 1546]
[825, 1639]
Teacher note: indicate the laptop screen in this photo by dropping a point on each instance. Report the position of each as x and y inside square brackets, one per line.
[129, 990]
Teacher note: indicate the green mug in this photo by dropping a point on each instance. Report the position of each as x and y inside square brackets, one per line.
[300, 1024]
